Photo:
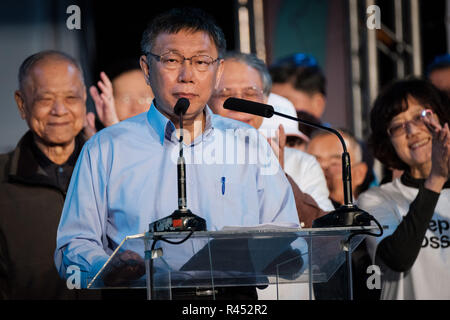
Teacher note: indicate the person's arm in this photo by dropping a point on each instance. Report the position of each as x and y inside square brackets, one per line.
[307, 208]
[400, 250]
[81, 231]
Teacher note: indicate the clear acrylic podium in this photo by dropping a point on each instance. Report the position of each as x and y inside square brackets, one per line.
[234, 257]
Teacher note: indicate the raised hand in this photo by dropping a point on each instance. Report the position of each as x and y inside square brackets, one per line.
[440, 154]
[104, 101]
[278, 143]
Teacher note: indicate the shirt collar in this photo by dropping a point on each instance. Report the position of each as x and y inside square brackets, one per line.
[409, 181]
[164, 128]
[29, 165]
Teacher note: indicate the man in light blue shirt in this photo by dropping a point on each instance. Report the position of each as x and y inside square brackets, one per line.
[126, 175]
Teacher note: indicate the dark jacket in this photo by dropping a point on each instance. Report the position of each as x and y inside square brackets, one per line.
[31, 201]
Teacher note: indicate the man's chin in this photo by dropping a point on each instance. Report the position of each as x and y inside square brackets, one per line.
[57, 141]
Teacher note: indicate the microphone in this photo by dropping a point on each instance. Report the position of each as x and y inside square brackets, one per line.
[348, 214]
[181, 107]
[182, 219]
[247, 106]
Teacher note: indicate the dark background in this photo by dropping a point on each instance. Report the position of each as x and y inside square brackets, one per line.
[119, 27]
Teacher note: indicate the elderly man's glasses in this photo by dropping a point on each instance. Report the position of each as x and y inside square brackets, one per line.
[174, 61]
[250, 93]
[398, 129]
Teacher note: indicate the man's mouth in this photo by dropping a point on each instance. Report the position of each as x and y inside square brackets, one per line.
[58, 124]
[186, 95]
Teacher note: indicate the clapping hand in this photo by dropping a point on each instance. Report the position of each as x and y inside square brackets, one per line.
[441, 147]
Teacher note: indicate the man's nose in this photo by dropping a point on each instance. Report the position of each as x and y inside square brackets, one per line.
[186, 71]
[59, 108]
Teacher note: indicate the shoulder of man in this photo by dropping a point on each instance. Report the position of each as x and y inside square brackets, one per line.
[228, 123]
[5, 160]
[117, 130]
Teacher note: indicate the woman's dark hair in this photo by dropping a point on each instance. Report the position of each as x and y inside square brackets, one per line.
[392, 101]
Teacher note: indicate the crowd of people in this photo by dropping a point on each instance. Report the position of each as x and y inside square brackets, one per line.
[78, 183]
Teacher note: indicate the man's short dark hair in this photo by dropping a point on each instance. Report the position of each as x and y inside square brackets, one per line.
[392, 101]
[302, 71]
[29, 62]
[178, 19]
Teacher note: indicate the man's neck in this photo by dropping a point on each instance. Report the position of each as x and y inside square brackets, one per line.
[58, 154]
[192, 127]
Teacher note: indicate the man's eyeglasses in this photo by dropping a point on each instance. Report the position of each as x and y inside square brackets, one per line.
[173, 61]
[250, 93]
[398, 129]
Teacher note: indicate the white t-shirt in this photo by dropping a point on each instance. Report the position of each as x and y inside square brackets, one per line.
[429, 277]
[305, 170]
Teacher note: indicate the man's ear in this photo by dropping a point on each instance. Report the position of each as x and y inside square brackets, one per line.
[318, 101]
[20, 101]
[359, 172]
[145, 68]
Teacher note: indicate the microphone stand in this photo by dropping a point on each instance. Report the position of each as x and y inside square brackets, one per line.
[348, 214]
[182, 210]
[181, 219]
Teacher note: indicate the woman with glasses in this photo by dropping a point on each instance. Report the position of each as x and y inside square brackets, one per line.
[409, 122]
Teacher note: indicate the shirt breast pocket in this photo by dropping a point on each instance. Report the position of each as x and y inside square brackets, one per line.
[238, 199]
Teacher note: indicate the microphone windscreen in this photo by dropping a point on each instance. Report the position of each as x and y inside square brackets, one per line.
[181, 106]
[247, 106]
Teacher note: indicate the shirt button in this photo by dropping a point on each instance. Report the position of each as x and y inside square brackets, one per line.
[60, 170]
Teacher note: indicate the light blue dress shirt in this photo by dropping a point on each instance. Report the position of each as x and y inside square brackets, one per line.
[126, 178]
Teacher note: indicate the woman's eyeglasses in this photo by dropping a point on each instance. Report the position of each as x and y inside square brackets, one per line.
[398, 129]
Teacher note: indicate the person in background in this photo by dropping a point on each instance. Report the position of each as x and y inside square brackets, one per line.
[327, 149]
[123, 94]
[438, 72]
[306, 129]
[246, 77]
[299, 78]
[294, 137]
[409, 122]
[34, 177]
